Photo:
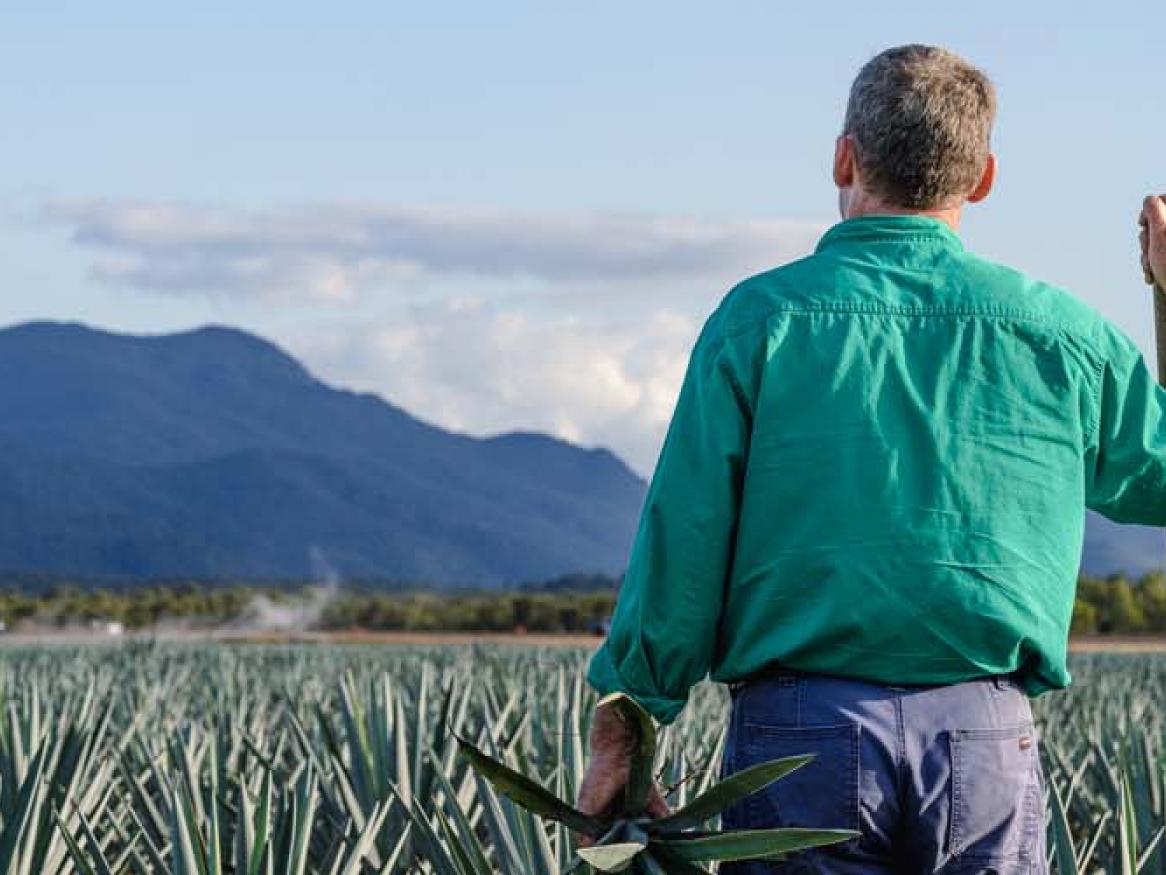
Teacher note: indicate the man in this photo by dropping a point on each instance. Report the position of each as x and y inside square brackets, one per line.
[867, 514]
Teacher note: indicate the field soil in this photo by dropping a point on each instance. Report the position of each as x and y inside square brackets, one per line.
[1089, 644]
[364, 636]
[1118, 644]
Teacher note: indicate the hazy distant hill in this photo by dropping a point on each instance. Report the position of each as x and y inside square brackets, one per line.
[213, 453]
[1110, 547]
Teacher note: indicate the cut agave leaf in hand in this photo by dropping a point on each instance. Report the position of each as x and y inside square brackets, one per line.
[751, 844]
[626, 838]
[728, 792]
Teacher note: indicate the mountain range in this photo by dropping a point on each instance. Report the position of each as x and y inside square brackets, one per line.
[214, 454]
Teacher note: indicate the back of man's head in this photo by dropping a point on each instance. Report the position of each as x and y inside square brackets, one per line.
[921, 121]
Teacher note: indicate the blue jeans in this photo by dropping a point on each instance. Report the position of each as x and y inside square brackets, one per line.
[935, 779]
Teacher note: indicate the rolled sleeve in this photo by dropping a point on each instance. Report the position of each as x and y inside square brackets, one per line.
[1127, 459]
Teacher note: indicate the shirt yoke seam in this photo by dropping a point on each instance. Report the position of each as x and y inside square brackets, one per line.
[877, 237]
[734, 330]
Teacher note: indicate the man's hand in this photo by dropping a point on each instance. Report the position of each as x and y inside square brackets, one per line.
[612, 742]
[1153, 239]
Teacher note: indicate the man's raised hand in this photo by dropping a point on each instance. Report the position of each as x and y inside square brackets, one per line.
[1153, 239]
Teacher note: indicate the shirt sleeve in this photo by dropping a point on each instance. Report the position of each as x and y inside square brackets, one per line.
[1126, 462]
[665, 625]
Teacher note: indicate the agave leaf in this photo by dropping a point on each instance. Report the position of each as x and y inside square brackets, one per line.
[751, 844]
[364, 841]
[75, 852]
[1128, 830]
[17, 822]
[1064, 852]
[525, 792]
[460, 822]
[1098, 833]
[669, 864]
[1149, 848]
[633, 714]
[458, 849]
[729, 791]
[103, 867]
[432, 849]
[611, 858]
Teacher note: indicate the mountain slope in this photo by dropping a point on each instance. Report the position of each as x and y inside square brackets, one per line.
[214, 453]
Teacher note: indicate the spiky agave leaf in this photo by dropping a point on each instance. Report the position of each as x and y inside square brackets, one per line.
[728, 792]
[525, 792]
[750, 844]
[1064, 854]
[659, 862]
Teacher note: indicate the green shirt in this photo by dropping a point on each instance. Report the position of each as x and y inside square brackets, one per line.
[878, 467]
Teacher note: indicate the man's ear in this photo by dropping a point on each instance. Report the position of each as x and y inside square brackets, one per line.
[844, 160]
[987, 180]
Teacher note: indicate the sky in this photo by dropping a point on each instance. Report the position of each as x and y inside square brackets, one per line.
[517, 215]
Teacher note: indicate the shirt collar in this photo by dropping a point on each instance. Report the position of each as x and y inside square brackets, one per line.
[870, 229]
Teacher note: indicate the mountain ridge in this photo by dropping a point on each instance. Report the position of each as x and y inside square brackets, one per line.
[160, 422]
[212, 452]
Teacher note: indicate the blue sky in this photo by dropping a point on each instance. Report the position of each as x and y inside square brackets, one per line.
[517, 215]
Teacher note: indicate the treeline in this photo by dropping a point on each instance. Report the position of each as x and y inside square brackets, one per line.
[576, 603]
[1117, 606]
[494, 612]
[68, 605]
[310, 610]
[571, 603]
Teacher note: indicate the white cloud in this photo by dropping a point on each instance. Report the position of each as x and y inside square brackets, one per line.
[332, 252]
[474, 366]
[575, 324]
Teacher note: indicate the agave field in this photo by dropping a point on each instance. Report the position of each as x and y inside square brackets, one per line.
[204, 759]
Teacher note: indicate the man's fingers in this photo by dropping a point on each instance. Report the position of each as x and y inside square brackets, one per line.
[1153, 239]
[596, 797]
[596, 794]
[592, 800]
[1144, 246]
[604, 781]
[1154, 212]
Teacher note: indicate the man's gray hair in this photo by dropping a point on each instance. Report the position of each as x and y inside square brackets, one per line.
[921, 120]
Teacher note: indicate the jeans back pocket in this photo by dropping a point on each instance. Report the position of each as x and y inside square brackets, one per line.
[995, 793]
[823, 794]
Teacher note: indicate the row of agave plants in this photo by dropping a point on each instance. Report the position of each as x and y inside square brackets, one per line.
[206, 759]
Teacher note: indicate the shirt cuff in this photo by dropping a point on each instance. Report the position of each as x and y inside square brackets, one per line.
[605, 678]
